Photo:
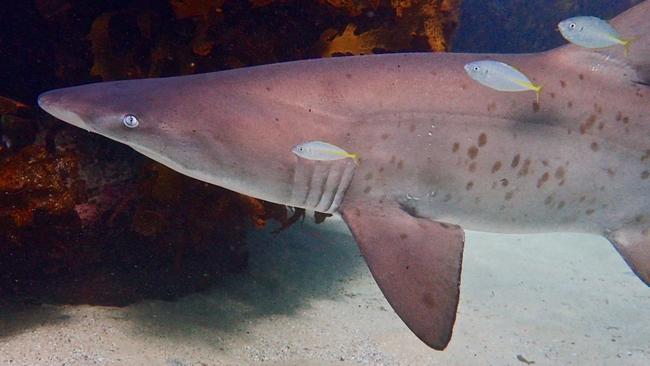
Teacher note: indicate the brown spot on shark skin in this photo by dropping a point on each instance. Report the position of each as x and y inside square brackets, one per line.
[384, 136]
[645, 174]
[646, 155]
[548, 200]
[552, 95]
[601, 125]
[536, 106]
[619, 116]
[428, 300]
[472, 166]
[559, 173]
[515, 161]
[412, 128]
[594, 146]
[525, 167]
[447, 198]
[581, 77]
[542, 180]
[611, 172]
[472, 152]
[563, 83]
[469, 185]
[348, 75]
[400, 165]
[598, 108]
[626, 119]
[392, 159]
[455, 147]
[590, 211]
[638, 219]
[545, 162]
[569, 104]
[496, 167]
[491, 107]
[504, 182]
[403, 236]
[381, 169]
[588, 124]
[508, 196]
[368, 176]
[367, 190]
[582, 199]
[560, 205]
[482, 140]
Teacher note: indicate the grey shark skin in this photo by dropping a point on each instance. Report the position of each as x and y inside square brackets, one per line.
[438, 152]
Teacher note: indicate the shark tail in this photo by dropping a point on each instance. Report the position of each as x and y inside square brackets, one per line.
[636, 49]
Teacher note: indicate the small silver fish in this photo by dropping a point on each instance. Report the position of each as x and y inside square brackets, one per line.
[592, 32]
[319, 150]
[501, 76]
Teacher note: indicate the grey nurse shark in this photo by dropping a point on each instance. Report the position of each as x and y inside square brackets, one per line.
[438, 152]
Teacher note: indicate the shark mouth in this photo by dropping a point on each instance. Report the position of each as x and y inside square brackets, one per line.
[321, 185]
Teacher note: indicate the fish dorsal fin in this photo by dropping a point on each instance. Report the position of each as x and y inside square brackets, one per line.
[416, 263]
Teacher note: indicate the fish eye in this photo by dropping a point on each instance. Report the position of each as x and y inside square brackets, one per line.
[130, 121]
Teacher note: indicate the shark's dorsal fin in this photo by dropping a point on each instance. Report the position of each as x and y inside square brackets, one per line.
[614, 62]
[416, 263]
[634, 24]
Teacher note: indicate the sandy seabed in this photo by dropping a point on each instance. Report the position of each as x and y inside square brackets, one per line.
[309, 299]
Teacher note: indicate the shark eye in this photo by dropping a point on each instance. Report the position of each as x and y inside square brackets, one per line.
[476, 68]
[572, 26]
[130, 121]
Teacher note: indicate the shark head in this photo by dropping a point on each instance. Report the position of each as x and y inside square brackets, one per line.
[208, 138]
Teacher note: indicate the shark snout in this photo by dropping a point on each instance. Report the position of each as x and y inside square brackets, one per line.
[59, 105]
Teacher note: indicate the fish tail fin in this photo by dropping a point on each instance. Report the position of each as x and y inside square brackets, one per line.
[538, 90]
[354, 157]
[627, 42]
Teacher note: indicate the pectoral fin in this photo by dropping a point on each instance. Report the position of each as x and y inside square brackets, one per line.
[416, 263]
[633, 244]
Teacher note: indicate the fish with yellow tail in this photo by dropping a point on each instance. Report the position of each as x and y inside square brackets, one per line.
[592, 32]
[319, 150]
[501, 76]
